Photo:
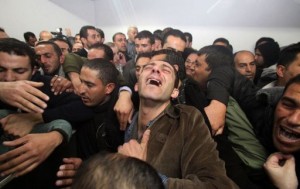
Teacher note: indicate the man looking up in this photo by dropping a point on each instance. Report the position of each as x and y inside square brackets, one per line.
[171, 138]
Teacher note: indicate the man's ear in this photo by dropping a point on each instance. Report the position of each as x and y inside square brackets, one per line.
[109, 88]
[136, 87]
[175, 93]
[280, 69]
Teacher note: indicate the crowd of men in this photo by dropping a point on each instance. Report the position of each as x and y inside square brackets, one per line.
[76, 111]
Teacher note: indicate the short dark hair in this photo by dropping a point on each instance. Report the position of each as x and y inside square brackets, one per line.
[107, 72]
[270, 53]
[145, 34]
[144, 55]
[217, 56]
[288, 54]
[118, 33]
[108, 53]
[173, 58]
[189, 35]
[27, 35]
[13, 46]
[2, 29]
[84, 31]
[175, 33]
[293, 80]
[54, 45]
[62, 39]
[108, 171]
[101, 33]
[187, 52]
[263, 40]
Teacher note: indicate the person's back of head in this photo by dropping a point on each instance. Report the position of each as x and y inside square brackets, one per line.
[263, 40]
[115, 171]
[217, 56]
[270, 53]
[189, 38]
[27, 36]
[223, 42]
[101, 33]
[108, 53]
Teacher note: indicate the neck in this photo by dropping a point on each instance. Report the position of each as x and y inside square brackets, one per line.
[148, 111]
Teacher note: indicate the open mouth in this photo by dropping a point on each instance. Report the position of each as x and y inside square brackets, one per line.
[290, 135]
[154, 82]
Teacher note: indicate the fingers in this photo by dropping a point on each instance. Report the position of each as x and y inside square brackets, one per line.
[145, 139]
[64, 182]
[60, 84]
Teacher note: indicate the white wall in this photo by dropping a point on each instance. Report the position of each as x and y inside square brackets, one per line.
[19, 16]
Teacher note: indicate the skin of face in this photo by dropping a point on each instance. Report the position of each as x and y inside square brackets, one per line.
[63, 46]
[286, 130]
[201, 71]
[48, 59]
[32, 41]
[77, 39]
[286, 73]
[115, 50]
[245, 64]
[156, 82]
[175, 43]
[120, 41]
[95, 53]
[92, 90]
[93, 37]
[132, 33]
[259, 58]
[157, 45]
[14, 67]
[76, 47]
[189, 63]
[139, 65]
[143, 45]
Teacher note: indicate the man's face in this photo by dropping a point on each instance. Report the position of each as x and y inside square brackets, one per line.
[132, 33]
[120, 41]
[32, 41]
[286, 130]
[95, 53]
[92, 90]
[174, 43]
[244, 63]
[143, 45]
[259, 58]
[48, 59]
[156, 81]
[139, 65]
[190, 63]
[14, 67]
[76, 47]
[291, 71]
[93, 37]
[116, 59]
[77, 39]
[201, 71]
[63, 46]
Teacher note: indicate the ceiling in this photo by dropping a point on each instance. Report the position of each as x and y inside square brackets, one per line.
[200, 13]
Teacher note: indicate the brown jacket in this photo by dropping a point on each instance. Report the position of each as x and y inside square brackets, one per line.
[181, 148]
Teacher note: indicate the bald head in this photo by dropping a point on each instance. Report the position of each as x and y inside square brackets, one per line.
[244, 63]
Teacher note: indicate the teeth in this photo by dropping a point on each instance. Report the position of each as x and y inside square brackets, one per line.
[289, 134]
[154, 82]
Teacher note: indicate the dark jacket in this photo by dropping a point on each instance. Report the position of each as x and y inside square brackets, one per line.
[181, 148]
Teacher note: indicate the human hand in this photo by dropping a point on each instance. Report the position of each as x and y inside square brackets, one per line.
[24, 95]
[122, 59]
[20, 124]
[76, 82]
[124, 109]
[135, 149]
[30, 151]
[281, 170]
[216, 112]
[61, 84]
[67, 171]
